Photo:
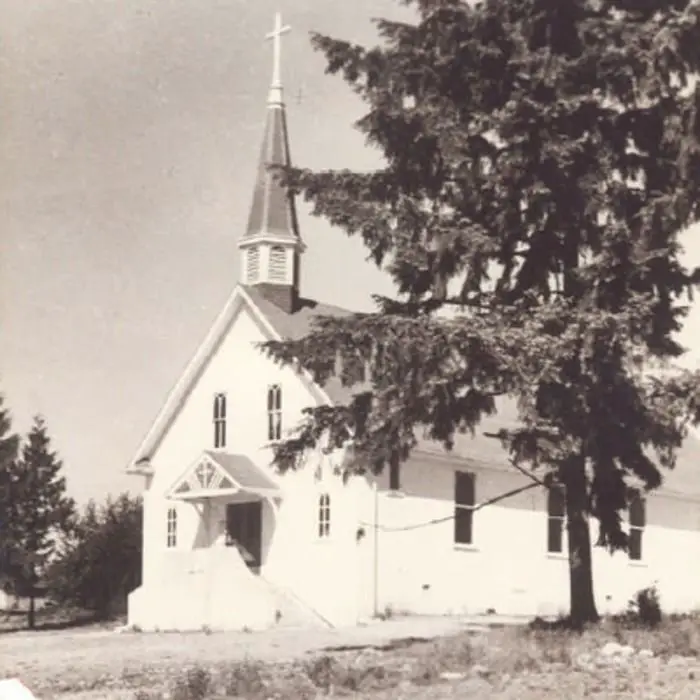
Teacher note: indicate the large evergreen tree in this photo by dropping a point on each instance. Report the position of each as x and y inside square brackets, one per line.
[541, 159]
[40, 509]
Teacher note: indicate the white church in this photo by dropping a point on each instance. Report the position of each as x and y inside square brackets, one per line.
[228, 543]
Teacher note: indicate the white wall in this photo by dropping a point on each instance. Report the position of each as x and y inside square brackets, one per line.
[345, 577]
[508, 568]
[239, 369]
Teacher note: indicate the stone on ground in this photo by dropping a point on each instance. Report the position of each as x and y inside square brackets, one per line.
[14, 689]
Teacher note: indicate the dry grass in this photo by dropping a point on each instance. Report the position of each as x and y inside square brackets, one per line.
[498, 664]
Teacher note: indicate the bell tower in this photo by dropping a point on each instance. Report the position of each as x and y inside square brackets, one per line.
[271, 247]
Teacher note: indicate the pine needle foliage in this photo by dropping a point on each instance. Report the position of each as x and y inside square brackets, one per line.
[541, 159]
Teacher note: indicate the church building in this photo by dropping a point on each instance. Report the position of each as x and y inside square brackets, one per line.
[229, 543]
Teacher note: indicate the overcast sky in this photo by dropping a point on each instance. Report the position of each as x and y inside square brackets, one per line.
[129, 135]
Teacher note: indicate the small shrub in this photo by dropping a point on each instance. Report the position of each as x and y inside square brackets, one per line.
[386, 614]
[196, 684]
[645, 607]
[321, 671]
[146, 695]
[329, 674]
[245, 680]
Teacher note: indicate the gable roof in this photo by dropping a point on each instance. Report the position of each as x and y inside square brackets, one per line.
[243, 471]
[296, 325]
[273, 328]
[219, 473]
[480, 450]
[277, 324]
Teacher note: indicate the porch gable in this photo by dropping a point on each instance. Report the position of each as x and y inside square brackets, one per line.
[222, 474]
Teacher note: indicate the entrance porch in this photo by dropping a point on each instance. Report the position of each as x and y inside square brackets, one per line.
[237, 503]
[217, 580]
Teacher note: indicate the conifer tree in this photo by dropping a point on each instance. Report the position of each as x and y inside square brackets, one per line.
[9, 448]
[540, 160]
[99, 562]
[40, 509]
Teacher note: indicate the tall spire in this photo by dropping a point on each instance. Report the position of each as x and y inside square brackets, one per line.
[271, 244]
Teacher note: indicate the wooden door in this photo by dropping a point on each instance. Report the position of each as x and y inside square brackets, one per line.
[244, 530]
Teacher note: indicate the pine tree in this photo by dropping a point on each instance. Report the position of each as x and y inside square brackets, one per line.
[40, 509]
[9, 448]
[540, 160]
[100, 561]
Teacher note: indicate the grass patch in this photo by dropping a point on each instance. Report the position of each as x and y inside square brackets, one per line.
[507, 662]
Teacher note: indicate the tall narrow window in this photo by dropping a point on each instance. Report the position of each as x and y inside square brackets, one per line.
[637, 517]
[464, 507]
[394, 474]
[556, 517]
[219, 420]
[253, 264]
[274, 412]
[324, 515]
[278, 264]
[172, 528]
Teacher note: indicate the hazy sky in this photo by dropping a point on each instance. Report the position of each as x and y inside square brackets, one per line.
[129, 137]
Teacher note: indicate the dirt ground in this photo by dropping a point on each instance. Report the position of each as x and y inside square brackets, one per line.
[482, 663]
[52, 663]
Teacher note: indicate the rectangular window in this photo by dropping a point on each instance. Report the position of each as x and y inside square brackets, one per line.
[556, 518]
[274, 412]
[465, 500]
[394, 474]
[637, 518]
[172, 528]
[219, 421]
[324, 515]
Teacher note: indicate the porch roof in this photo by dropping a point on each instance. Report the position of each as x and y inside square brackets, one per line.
[221, 474]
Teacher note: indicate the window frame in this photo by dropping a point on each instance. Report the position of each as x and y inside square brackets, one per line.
[274, 412]
[324, 516]
[220, 409]
[171, 528]
[394, 474]
[463, 509]
[637, 522]
[558, 518]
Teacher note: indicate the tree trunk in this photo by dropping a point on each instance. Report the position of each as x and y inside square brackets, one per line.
[582, 605]
[31, 613]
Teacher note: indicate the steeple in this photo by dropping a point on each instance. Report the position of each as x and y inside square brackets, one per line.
[271, 246]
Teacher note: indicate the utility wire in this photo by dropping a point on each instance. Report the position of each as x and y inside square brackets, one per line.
[437, 521]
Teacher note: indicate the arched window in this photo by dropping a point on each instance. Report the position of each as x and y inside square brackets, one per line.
[219, 421]
[556, 518]
[278, 264]
[637, 517]
[324, 515]
[172, 528]
[274, 412]
[252, 264]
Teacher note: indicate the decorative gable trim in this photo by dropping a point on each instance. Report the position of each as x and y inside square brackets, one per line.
[195, 368]
[207, 478]
[204, 475]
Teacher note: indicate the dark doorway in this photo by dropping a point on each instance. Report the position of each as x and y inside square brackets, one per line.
[244, 531]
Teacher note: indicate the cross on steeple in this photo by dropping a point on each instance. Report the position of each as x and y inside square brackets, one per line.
[276, 36]
[271, 247]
